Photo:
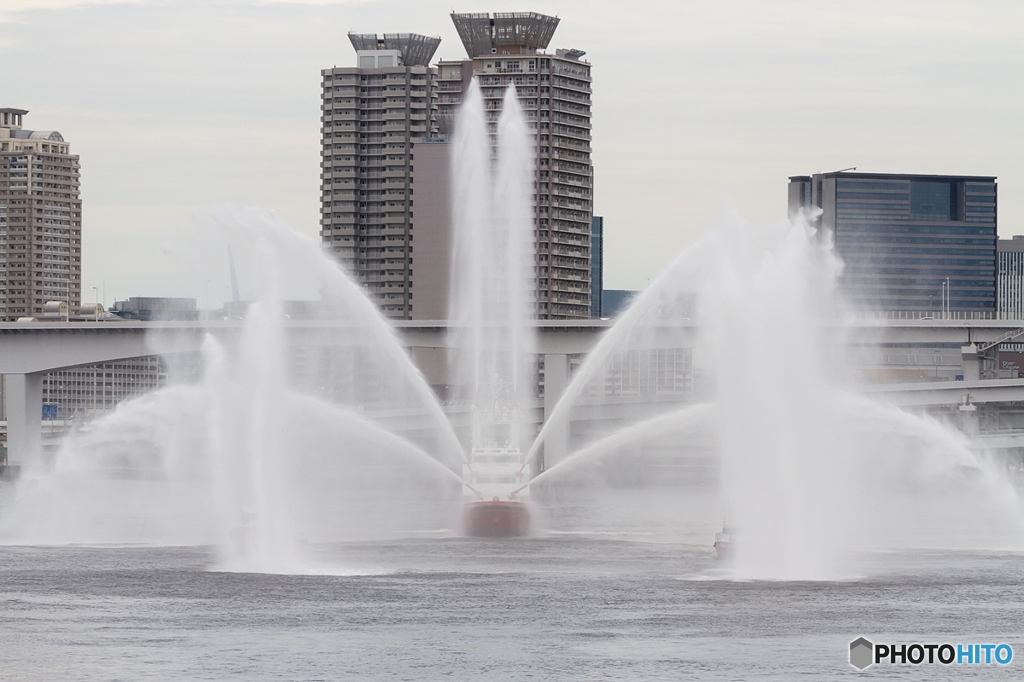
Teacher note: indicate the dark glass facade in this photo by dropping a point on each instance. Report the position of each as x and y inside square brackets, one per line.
[908, 242]
[596, 265]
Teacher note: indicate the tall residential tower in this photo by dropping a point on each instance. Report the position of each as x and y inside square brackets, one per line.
[373, 114]
[554, 90]
[40, 220]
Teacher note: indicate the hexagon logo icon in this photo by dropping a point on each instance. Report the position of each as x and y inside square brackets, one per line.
[861, 653]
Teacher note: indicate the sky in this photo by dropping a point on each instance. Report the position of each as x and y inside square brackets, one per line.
[698, 108]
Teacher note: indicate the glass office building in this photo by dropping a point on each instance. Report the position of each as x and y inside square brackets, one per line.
[908, 242]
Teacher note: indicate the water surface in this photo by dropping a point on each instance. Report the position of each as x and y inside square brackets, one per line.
[559, 607]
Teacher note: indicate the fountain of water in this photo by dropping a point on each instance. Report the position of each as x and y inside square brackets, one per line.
[491, 308]
[720, 393]
[282, 443]
[808, 469]
[338, 437]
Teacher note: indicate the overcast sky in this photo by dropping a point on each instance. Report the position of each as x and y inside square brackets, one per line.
[179, 105]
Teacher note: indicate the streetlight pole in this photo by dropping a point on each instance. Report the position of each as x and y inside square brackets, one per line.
[947, 297]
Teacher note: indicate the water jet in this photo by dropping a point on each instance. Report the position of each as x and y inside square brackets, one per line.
[491, 306]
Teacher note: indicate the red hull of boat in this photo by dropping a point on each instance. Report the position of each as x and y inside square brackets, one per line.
[495, 519]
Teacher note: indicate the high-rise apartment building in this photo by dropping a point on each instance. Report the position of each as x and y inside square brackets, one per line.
[40, 220]
[908, 242]
[554, 90]
[373, 115]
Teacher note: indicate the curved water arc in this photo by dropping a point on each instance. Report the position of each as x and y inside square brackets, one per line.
[660, 425]
[687, 263]
[334, 281]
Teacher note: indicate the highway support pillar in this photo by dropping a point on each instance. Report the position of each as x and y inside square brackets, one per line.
[556, 379]
[970, 363]
[24, 416]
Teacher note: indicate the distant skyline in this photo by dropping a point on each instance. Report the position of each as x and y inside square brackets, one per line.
[175, 106]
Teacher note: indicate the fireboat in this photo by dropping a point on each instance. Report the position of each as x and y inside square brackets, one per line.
[723, 542]
[496, 478]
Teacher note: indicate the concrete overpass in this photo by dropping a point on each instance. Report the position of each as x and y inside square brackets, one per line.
[931, 393]
[27, 348]
[28, 351]
[30, 348]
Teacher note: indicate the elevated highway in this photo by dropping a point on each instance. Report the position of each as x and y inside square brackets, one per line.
[29, 348]
[48, 346]
[28, 351]
[934, 393]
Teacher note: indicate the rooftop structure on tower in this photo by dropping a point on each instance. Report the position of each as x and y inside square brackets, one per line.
[415, 49]
[504, 32]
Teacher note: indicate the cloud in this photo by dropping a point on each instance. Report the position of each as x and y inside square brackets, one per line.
[12, 6]
[317, 2]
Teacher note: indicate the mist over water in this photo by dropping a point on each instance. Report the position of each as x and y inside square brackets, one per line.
[282, 442]
[807, 470]
[811, 470]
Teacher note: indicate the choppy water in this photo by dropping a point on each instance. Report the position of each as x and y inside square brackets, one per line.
[562, 607]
